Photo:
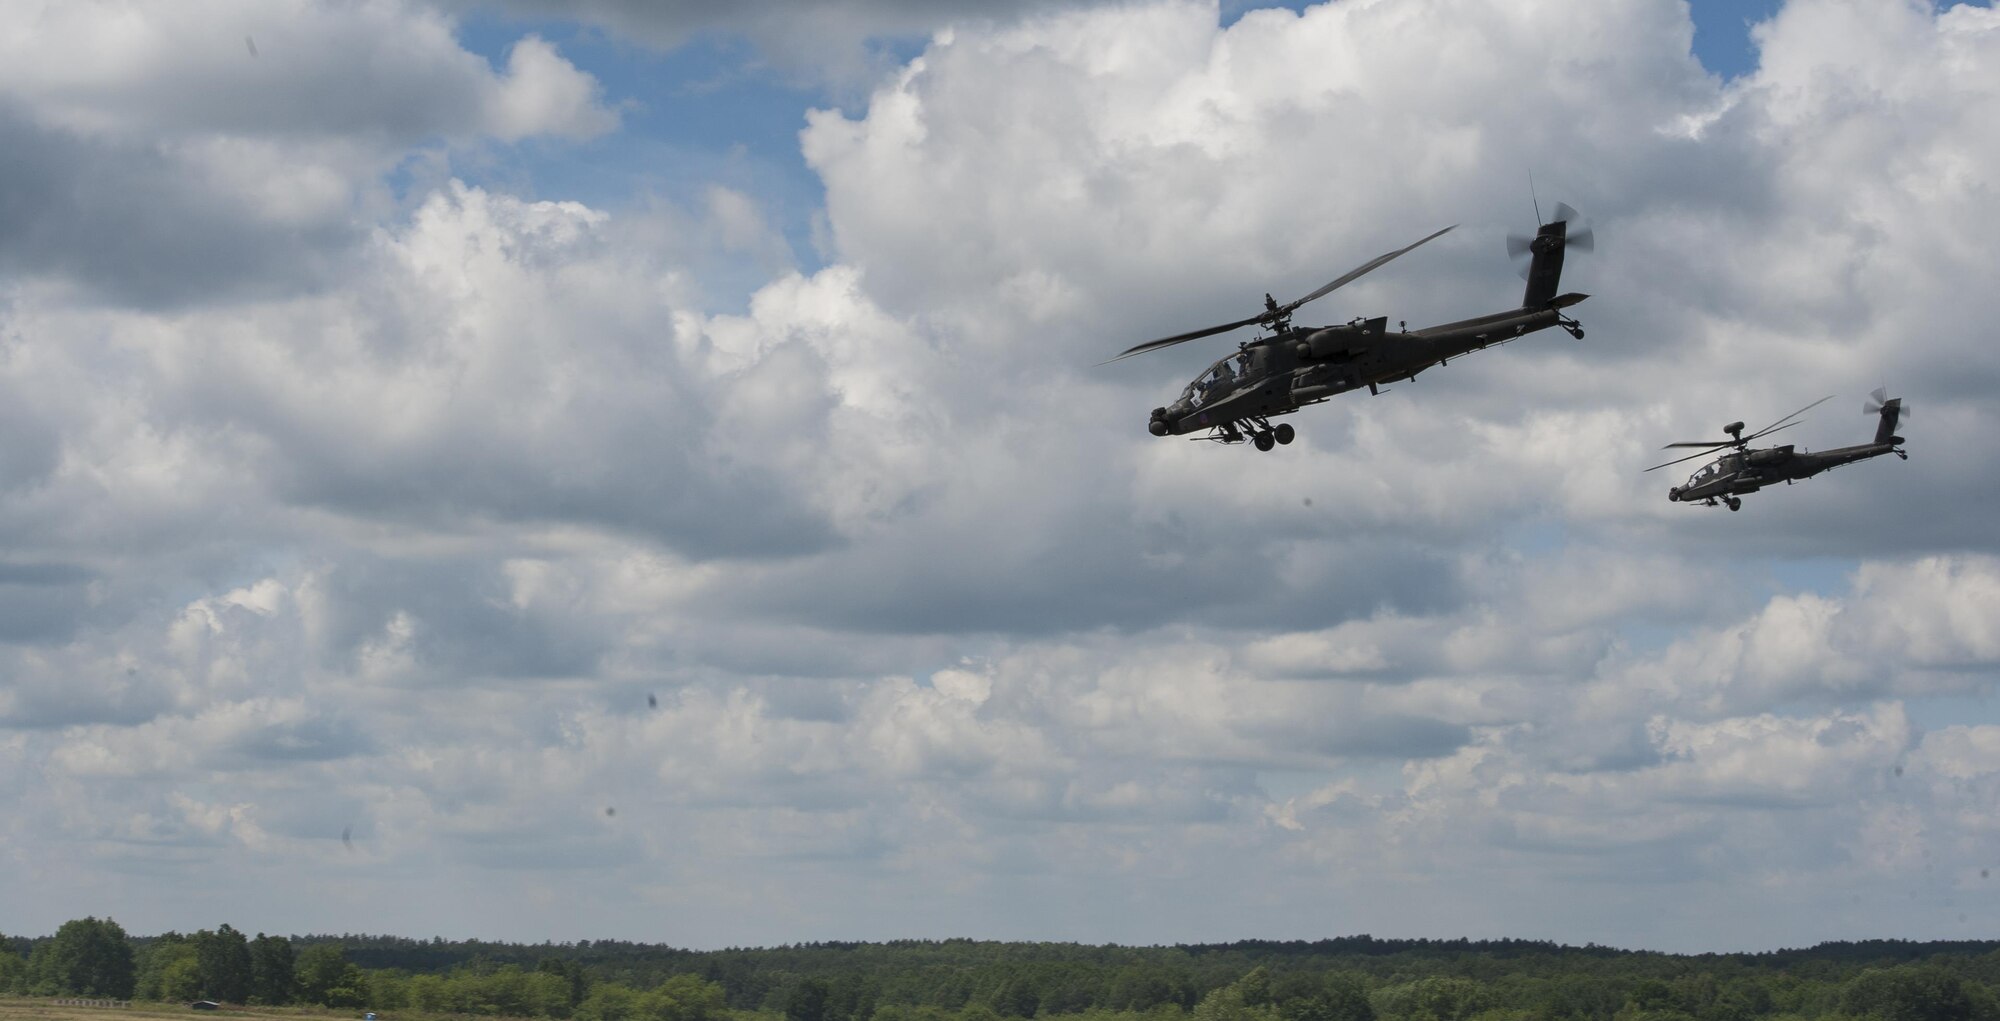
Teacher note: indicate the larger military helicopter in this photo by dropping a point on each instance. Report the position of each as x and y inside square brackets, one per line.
[1743, 471]
[1292, 367]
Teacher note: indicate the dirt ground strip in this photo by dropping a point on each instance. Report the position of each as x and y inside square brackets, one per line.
[48, 1010]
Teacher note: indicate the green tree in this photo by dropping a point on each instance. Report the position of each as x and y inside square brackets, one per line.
[87, 957]
[1926, 993]
[1231, 1002]
[153, 961]
[224, 959]
[181, 981]
[607, 1002]
[325, 977]
[272, 973]
[1340, 996]
[1256, 987]
[1433, 998]
[571, 973]
[168, 970]
[1581, 997]
[807, 1001]
[684, 998]
[1651, 999]
[13, 968]
[1650, 995]
[1985, 1006]
[388, 990]
[851, 997]
[1141, 988]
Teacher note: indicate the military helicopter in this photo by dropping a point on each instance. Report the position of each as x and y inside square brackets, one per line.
[1743, 471]
[1295, 366]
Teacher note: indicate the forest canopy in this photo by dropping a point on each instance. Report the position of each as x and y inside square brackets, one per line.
[1354, 978]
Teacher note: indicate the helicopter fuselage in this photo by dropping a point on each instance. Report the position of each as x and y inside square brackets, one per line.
[1746, 469]
[1746, 472]
[1300, 366]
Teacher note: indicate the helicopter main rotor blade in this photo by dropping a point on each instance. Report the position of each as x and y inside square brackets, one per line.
[1269, 315]
[1691, 457]
[1775, 426]
[1719, 444]
[1677, 461]
[1181, 338]
[1357, 272]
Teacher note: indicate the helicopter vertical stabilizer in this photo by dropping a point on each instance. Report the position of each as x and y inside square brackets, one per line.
[1546, 248]
[1891, 411]
[1545, 270]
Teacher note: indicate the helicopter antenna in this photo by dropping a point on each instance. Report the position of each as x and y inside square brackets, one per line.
[1531, 195]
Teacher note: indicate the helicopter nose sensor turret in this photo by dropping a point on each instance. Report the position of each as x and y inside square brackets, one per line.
[1158, 426]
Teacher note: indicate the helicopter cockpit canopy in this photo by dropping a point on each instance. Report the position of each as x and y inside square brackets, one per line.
[1217, 382]
[1707, 474]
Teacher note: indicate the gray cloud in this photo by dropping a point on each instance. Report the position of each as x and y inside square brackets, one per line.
[136, 225]
[160, 166]
[839, 42]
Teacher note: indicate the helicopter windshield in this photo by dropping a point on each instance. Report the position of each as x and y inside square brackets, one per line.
[1216, 383]
[1707, 473]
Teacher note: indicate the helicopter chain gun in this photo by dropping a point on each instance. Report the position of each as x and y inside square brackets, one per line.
[1291, 367]
[1743, 470]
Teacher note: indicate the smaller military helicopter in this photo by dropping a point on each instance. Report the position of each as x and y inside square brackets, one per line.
[1743, 471]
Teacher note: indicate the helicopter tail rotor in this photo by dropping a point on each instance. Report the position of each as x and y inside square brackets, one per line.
[1892, 411]
[1580, 236]
[1545, 249]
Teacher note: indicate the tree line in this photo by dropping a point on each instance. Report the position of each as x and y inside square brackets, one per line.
[1348, 979]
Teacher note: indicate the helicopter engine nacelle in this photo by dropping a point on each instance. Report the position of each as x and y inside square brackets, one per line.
[1770, 455]
[1330, 342]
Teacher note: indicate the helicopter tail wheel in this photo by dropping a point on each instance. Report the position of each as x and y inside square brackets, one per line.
[1284, 432]
[1735, 503]
[1264, 441]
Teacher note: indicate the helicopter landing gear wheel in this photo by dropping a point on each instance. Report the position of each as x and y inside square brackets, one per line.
[1264, 441]
[1735, 504]
[1284, 432]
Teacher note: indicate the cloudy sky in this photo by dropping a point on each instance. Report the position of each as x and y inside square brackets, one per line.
[643, 471]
